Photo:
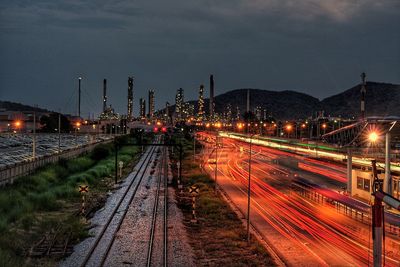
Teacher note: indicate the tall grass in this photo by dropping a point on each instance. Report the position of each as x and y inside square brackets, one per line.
[24, 204]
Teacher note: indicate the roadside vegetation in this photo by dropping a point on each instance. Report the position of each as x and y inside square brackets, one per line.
[219, 238]
[44, 208]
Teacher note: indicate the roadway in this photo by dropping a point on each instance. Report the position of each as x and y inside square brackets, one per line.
[302, 232]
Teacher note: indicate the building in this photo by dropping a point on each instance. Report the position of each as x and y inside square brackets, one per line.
[228, 113]
[200, 113]
[151, 104]
[130, 99]
[179, 100]
[104, 95]
[257, 112]
[109, 114]
[167, 113]
[237, 118]
[20, 121]
[142, 112]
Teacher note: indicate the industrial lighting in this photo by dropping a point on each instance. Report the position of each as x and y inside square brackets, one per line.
[373, 137]
[324, 125]
[288, 127]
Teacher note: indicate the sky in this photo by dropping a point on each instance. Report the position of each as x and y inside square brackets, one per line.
[318, 47]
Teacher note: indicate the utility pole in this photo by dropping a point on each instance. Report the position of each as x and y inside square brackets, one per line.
[59, 132]
[194, 146]
[377, 218]
[79, 96]
[387, 185]
[216, 158]
[349, 170]
[249, 194]
[34, 136]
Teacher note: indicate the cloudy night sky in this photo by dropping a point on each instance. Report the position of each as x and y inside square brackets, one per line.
[319, 47]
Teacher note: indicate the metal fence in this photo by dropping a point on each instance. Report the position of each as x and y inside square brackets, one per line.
[9, 173]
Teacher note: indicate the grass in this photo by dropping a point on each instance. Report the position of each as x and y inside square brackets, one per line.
[219, 227]
[49, 198]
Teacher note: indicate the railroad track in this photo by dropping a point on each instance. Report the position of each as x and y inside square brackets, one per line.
[161, 182]
[100, 248]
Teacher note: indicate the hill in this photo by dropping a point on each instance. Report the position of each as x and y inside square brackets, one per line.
[7, 105]
[282, 105]
[382, 99]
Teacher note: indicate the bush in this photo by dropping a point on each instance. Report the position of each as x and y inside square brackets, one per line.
[100, 152]
[79, 164]
[44, 201]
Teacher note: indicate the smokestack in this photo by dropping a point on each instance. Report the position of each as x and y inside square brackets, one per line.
[130, 98]
[363, 92]
[104, 95]
[248, 101]
[212, 97]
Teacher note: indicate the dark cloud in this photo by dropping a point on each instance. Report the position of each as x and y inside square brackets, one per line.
[314, 46]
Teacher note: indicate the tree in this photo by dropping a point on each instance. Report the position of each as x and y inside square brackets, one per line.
[50, 123]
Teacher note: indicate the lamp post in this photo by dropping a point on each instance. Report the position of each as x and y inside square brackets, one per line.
[373, 137]
[288, 129]
[249, 193]
[59, 133]
[34, 137]
[216, 158]
[194, 146]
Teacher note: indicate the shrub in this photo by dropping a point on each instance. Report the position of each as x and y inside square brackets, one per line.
[79, 164]
[44, 201]
[100, 152]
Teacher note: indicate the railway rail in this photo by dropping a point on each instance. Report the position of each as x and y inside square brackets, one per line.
[121, 207]
[161, 182]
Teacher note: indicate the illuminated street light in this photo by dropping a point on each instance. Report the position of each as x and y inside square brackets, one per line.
[373, 137]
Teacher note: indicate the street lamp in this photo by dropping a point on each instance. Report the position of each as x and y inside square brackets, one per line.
[324, 127]
[218, 125]
[288, 129]
[249, 190]
[373, 137]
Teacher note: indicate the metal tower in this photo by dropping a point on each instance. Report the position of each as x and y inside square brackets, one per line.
[104, 95]
[130, 99]
[363, 92]
[200, 114]
[151, 104]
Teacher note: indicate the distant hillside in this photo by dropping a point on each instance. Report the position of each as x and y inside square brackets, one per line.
[282, 105]
[382, 99]
[7, 105]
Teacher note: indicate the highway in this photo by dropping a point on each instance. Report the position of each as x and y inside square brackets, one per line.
[302, 231]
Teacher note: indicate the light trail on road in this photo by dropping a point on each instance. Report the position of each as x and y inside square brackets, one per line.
[326, 236]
